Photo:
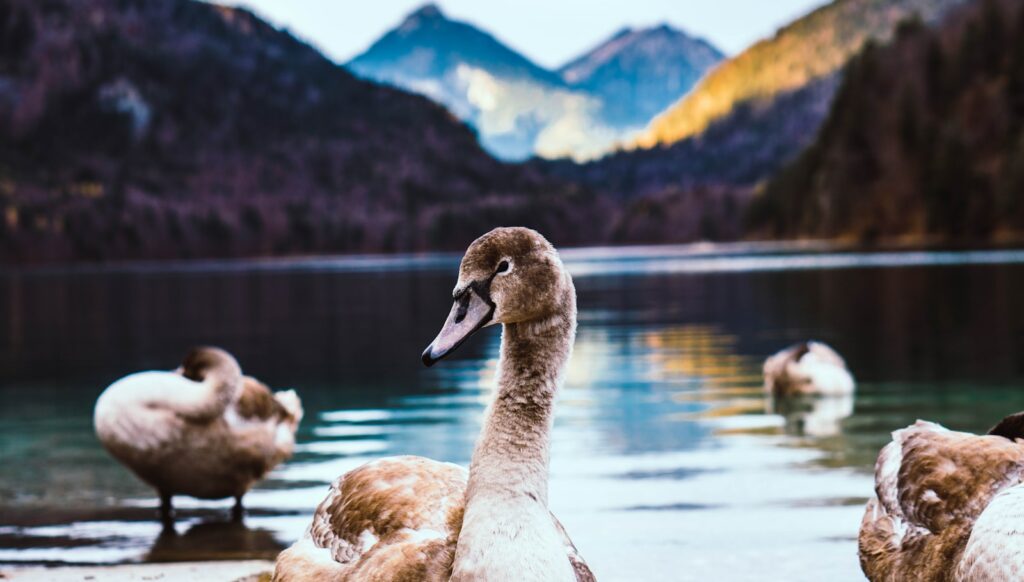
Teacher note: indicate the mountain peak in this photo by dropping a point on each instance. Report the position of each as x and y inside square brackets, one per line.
[424, 16]
[428, 10]
[661, 40]
[429, 45]
[622, 32]
[664, 30]
[628, 34]
[640, 71]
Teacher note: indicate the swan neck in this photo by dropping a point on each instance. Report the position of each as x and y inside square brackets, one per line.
[513, 454]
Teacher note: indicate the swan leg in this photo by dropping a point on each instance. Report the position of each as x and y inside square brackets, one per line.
[166, 511]
[238, 511]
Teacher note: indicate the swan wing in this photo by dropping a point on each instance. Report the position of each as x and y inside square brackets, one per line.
[275, 413]
[259, 428]
[931, 485]
[579, 565]
[255, 402]
[396, 518]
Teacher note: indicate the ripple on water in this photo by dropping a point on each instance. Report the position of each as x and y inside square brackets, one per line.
[666, 455]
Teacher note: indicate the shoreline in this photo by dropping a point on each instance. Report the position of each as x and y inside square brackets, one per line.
[219, 571]
[377, 262]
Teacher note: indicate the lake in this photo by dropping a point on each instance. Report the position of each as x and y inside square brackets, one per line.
[668, 462]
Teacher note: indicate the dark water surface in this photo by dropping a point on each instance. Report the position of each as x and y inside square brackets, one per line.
[668, 462]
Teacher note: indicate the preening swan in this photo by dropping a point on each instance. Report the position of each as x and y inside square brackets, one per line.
[948, 506]
[410, 518]
[807, 368]
[203, 430]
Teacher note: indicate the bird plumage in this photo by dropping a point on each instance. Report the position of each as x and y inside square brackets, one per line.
[946, 507]
[206, 432]
[410, 518]
[807, 368]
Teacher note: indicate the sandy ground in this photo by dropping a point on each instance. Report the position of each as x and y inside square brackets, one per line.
[244, 571]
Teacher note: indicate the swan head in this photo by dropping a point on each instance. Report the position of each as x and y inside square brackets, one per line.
[201, 361]
[509, 275]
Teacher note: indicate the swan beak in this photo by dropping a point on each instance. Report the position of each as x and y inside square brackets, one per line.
[469, 313]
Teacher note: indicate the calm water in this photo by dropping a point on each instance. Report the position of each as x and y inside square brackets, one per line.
[668, 462]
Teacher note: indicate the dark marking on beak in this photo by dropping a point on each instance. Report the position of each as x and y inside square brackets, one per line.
[472, 310]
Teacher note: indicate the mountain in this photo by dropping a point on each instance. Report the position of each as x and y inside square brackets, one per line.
[517, 107]
[520, 109]
[427, 45]
[176, 128]
[811, 48]
[925, 141]
[754, 112]
[637, 73]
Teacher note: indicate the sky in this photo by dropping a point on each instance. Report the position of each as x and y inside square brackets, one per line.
[550, 32]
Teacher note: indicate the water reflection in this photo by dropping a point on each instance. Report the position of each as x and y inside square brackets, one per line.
[214, 540]
[133, 532]
[811, 415]
[667, 455]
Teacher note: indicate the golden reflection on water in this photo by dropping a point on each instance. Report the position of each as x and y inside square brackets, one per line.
[590, 358]
[698, 352]
[589, 362]
[731, 385]
[695, 366]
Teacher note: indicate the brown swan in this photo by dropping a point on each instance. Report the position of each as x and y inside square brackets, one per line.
[411, 518]
[949, 506]
[203, 430]
[807, 368]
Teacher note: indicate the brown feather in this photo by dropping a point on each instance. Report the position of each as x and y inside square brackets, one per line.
[392, 499]
[256, 401]
[945, 480]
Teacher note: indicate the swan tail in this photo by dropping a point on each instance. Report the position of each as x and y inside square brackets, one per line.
[291, 404]
[288, 423]
[879, 542]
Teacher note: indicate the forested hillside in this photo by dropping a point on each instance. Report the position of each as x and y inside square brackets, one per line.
[757, 110]
[926, 140]
[811, 48]
[174, 128]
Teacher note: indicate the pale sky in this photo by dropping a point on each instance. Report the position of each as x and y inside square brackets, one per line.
[550, 32]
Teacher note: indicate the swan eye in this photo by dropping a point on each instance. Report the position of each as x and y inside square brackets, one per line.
[502, 267]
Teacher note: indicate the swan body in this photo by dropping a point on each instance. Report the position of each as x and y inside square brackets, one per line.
[204, 430]
[807, 368]
[410, 518]
[396, 518]
[948, 506]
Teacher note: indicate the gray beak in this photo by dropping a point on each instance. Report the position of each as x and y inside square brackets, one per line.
[469, 313]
